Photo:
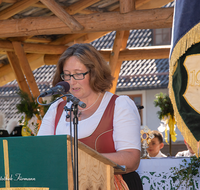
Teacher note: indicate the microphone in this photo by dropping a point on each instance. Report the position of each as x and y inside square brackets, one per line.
[77, 101]
[60, 88]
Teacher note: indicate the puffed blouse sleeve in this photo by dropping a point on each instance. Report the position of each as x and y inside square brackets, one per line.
[48, 121]
[126, 124]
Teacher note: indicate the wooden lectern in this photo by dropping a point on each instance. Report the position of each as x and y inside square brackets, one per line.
[44, 162]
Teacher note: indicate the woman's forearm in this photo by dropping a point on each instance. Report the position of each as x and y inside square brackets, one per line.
[129, 158]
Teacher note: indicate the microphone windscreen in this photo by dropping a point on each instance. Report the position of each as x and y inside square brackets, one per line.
[65, 85]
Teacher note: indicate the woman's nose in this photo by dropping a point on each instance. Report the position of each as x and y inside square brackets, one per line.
[72, 78]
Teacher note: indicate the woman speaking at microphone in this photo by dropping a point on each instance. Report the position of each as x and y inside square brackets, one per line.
[110, 124]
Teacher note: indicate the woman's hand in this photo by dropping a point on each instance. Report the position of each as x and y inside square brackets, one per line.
[129, 158]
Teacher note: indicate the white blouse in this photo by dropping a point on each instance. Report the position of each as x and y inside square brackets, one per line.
[126, 123]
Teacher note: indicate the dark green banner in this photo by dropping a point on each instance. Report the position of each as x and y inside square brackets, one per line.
[39, 161]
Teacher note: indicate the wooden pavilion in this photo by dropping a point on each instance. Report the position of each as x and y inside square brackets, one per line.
[34, 33]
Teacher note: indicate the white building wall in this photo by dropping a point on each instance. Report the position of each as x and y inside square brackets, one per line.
[150, 117]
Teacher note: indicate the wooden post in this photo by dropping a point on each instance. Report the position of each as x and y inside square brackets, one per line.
[170, 144]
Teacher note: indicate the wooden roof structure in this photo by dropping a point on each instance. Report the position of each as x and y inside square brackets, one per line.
[37, 32]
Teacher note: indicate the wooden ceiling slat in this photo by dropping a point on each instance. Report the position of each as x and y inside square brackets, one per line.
[38, 40]
[67, 38]
[34, 5]
[79, 6]
[145, 4]
[142, 19]
[14, 62]
[87, 38]
[127, 6]
[69, 20]
[16, 8]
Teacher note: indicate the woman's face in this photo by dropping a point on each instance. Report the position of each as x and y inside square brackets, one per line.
[79, 88]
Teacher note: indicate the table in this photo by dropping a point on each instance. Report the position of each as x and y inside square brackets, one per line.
[155, 174]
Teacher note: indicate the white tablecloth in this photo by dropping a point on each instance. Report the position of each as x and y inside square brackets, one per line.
[155, 174]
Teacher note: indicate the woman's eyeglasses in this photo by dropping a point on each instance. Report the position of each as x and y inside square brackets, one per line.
[77, 76]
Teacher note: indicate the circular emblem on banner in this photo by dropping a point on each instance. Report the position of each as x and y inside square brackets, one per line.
[192, 92]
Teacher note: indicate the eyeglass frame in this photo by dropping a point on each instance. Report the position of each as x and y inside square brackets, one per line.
[63, 74]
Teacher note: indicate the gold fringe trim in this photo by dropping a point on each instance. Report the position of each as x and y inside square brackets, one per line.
[190, 38]
[25, 188]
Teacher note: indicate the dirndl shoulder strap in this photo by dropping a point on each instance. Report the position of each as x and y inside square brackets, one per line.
[60, 108]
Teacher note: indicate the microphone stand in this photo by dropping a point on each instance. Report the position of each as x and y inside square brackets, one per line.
[75, 104]
[75, 122]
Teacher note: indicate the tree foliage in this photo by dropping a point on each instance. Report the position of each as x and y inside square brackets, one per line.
[164, 103]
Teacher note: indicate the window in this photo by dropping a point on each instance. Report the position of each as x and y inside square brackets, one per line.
[162, 36]
[138, 101]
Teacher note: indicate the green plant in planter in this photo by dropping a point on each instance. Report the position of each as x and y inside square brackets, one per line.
[27, 105]
[32, 111]
[30, 108]
[186, 172]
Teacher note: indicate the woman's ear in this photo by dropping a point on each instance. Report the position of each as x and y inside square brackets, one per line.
[161, 145]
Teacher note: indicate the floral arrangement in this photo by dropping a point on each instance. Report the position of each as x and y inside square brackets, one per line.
[166, 114]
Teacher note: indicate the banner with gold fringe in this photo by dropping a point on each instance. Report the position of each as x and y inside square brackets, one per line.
[184, 70]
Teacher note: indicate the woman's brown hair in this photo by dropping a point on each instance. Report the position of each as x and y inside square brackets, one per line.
[100, 73]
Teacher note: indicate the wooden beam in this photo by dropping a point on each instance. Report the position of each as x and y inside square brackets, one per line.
[151, 4]
[16, 8]
[34, 48]
[140, 53]
[7, 74]
[158, 52]
[125, 7]
[119, 62]
[116, 49]
[26, 68]
[14, 62]
[141, 19]
[36, 60]
[114, 62]
[125, 39]
[72, 23]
